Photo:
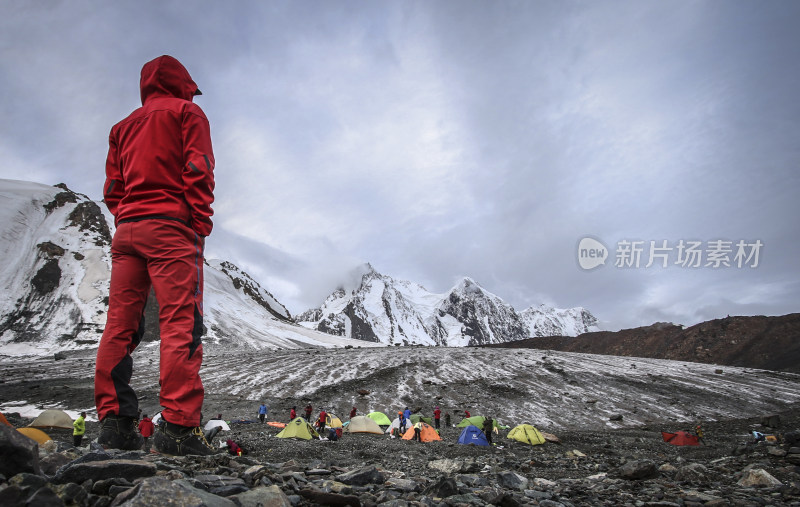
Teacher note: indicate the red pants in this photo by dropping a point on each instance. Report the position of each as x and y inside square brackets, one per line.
[168, 255]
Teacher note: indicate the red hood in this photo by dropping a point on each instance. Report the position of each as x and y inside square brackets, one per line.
[166, 77]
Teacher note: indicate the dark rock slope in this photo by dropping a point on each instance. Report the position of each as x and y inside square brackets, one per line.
[771, 343]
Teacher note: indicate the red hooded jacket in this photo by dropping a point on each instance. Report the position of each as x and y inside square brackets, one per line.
[146, 427]
[160, 162]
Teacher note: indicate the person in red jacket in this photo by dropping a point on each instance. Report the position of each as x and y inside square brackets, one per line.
[353, 412]
[323, 416]
[146, 428]
[293, 413]
[437, 414]
[159, 188]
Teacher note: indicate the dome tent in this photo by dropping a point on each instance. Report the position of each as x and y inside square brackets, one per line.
[298, 428]
[426, 433]
[52, 419]
[38, 435]
[472, 435]
[526, 434]
[363, 424]
[380, 418]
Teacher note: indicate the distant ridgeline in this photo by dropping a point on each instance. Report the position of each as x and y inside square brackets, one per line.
[771, 343]
[399, 312]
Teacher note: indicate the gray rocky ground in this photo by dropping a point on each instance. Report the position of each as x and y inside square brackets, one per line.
[597, 462]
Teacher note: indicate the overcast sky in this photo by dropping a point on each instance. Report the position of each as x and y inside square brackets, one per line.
[442, 139]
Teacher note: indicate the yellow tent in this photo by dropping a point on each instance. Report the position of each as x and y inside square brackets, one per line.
[298, 428]
[34, 434]
[363, 424]
[331, 421]
[526, 434]
[52, 419]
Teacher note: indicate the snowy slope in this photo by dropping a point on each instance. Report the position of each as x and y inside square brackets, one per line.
[382, 309]
[55, 280]
[547, 321]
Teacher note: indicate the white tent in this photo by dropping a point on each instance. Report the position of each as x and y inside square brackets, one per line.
[52, 418]
[213, 423]
[396, 424]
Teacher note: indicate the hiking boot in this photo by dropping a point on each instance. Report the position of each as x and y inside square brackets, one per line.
[119, 432]
[181, 440]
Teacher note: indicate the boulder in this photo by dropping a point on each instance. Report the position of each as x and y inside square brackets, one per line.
[258, 497]
[693, 473]
[443, 488]
[771, 421]
[106, 469]
[362, 476]
[153, 491]
[757, 477]
[44, 497]
[637, 470]
[20, 453]
[512, 480]
[333, 499]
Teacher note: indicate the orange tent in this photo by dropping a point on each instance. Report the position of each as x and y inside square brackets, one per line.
[426, 432]
[34, 434]
[3, 420]
[680, 438]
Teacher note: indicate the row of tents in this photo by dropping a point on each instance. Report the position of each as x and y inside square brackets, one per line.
[471, 433]
[371, 423]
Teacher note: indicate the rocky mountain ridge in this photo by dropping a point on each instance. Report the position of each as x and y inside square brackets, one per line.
[399, 312]
[771, 343]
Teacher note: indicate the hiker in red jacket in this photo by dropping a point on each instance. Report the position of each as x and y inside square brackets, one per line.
[292, 414]
[159, 188]
[322, 418]
[308, 412]
[146, 428]
[437, 414]
[353, 412]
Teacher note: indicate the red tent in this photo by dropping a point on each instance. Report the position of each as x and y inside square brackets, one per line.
[680, 438]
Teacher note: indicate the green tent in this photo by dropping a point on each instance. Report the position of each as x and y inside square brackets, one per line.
[380, 418]
[415, 418]
[298, 428]
[476, 420]
[526, 434]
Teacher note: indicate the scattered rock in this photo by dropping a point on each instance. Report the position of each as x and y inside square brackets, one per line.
[640, 469]
[153, 491]
[757, 477]
[20, 453]
[363, 476]
[512, 480]
[443, 488]
[106, 469]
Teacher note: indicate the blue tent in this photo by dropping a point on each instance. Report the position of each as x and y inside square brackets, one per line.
[472, 435]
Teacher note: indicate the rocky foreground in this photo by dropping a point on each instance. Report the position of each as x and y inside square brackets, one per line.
[632, 467]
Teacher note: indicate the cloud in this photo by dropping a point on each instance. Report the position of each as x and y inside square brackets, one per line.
[438, 140]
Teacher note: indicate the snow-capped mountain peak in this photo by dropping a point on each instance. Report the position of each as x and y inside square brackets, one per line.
[402, 312]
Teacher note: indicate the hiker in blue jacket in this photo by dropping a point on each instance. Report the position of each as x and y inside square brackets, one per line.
[262, 412]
